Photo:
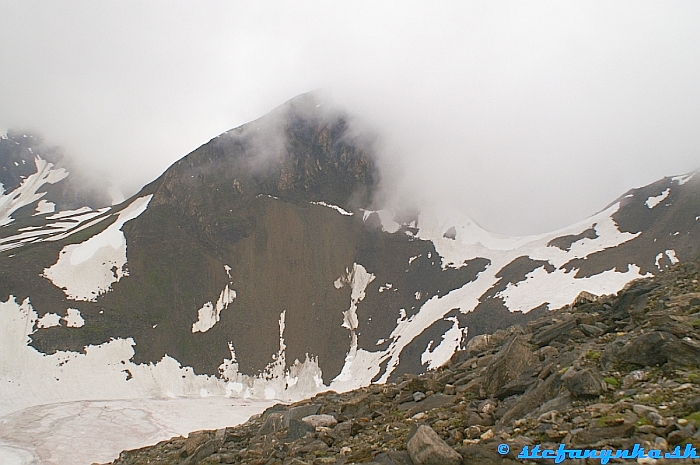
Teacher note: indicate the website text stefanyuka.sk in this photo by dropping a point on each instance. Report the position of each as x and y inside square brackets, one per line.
[604, 455]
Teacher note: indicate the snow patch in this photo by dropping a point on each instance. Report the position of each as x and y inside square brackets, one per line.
[386, 217]
[561, 287]
[386, 287]
[654, 201]
[66, 213]
[44, 207]
[451, 341]
[85, 271]
[358, 279]
[657, 260]
[671, 254]
[27, 193]
[683, 179]
[334, 207]
[30, 378]
[210, 314]
[49, 320]
[73, 318]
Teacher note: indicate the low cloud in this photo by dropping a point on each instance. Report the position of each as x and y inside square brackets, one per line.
[527, 116]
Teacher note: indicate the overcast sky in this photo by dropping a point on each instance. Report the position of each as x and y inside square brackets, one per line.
[528, 116]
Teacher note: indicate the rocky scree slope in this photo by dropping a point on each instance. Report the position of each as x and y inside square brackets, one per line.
[604, 372]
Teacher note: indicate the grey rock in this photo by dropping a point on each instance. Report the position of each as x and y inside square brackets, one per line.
[540, 393]
[676, 437]
[273, 423]
[427, 448]
[418, 396]
[555, 331]
[393, 458]
[646, 349]
[682, 352]
[593, 435]
[583, 383]
[299, 412]
[510, 362]
[591, 330]
[298, 429]
[517, 386]
[478, 344]
[435, 401]
[328, 421]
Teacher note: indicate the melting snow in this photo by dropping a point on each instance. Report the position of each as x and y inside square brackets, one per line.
[66, 213]
[654, 201]
[209, 314]
[451, 341]
[358, 278]
[385, 287]
[386, 217]
[73, 318]
[86, 270]
[26, 193]
[561, 288]
[49, 320]
[45, 207]
[683, 179]
[334, 207]
[671, 254]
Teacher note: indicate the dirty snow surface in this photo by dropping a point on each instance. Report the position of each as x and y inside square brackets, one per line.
[58, 434]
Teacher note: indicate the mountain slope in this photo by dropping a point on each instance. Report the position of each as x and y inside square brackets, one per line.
[256, 260]
[586, 376]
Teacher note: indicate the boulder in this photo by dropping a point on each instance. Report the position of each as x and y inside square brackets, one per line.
[478, 344]
[273, 423]
[510, 362]
[593, 435]
[393, 458]
[299, 412]
[555, 331]
[646, 349]
[427, 448]
[328, 421]
[682, 352]
[298, 429]
[583, 383]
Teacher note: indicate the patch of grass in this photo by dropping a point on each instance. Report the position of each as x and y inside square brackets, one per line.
[593, 354]
[694, 417]
[611, 381]
[610, 420]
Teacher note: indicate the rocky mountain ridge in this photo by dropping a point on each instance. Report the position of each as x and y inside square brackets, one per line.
[214, 275]
[604, 372]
